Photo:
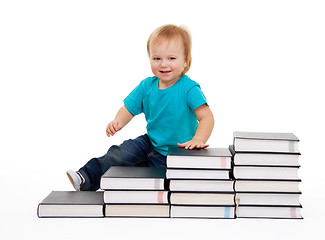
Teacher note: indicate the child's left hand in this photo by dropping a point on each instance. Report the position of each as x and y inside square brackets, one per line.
[194, 143]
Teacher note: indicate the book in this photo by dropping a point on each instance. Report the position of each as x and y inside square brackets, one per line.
[200, 185]
[267, 186]
[269, 199]
[208, 158]
[149, 196]
[256, 172]
[264, 159]
[149, 178]
[265, 142]
[193, 198]
[174, 173]
[275, 212]
[137, 210]
[72, 204]
[202, 211]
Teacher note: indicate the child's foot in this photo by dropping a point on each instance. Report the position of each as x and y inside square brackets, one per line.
[76, 179]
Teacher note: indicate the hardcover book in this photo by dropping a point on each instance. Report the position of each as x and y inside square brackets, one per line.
[200, 185]
[256, 172]
[175, 173]
[202, 211]
[193, 198]
[137, 210]
[279, 212]
[265, 142]
[215, 158]
[267, 186]
[264, 159]
[141, 178]
[72, 204]
[136, 196]
[268, 199]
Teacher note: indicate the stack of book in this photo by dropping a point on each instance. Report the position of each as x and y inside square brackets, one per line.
[200, 183]
[266, 175]
[135, 192]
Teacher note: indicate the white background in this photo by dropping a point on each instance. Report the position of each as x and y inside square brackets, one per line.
[66, 66]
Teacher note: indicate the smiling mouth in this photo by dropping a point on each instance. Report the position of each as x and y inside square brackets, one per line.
[165, 71]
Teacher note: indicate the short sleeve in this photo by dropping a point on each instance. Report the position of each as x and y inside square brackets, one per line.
[195, 98]
[134, 101]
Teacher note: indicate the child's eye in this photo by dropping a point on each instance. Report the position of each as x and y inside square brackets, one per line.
[172, 58]
[156, 58]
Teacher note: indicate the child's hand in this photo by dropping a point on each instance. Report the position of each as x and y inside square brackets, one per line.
[194, 143]
[122, 118]
[113, 127]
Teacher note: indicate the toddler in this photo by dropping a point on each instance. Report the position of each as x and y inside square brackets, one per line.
[174, 106]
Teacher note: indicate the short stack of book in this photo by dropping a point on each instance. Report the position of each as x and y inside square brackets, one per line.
[135, 192]
[266, 175]
[200, 183]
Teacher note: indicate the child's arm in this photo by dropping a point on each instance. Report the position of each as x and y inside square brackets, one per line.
[204, 128]
[122, 118]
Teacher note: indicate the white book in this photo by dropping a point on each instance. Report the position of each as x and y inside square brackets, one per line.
[134, 210]
[72, 204]
[268, 199]
[266, 159]
[281, 173]
[201, 185]
[202, 212]
[155, 197]
[141, 178]
[208, 158]
[202, 198]
[265, 142]
[266, 186]
[196, 174]
[269, 212]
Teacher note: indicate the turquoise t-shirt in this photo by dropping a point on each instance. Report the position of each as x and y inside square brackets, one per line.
[169, 112]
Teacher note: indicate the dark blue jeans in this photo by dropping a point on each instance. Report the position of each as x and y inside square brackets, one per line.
[134, 152]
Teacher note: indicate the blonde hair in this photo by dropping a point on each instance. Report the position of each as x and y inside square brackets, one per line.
[168, 32]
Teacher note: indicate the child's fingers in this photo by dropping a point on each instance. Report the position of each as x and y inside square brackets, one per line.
[189, 145]
[185, 145]
[181, 144]
[202, 146]
[110, 131]
[112, 128]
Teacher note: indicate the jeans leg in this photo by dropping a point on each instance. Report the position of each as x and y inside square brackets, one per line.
[155, 159]
[129, 153]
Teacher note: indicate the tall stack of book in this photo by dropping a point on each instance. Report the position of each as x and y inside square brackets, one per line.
[200, 183]
[135, 192]
[266, 175]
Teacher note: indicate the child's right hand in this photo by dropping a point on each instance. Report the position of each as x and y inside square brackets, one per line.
[113, 127]
[122, 118]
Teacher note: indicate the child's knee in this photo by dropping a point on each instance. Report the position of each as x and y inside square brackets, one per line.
[114, 156]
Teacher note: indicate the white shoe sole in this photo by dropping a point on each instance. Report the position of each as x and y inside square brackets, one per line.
[74, 180]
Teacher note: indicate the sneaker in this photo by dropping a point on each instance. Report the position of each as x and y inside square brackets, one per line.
[76, 179]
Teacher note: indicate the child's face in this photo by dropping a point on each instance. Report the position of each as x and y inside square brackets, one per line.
[167, 61]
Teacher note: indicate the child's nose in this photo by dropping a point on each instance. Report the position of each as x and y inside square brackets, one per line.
[163, 63]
